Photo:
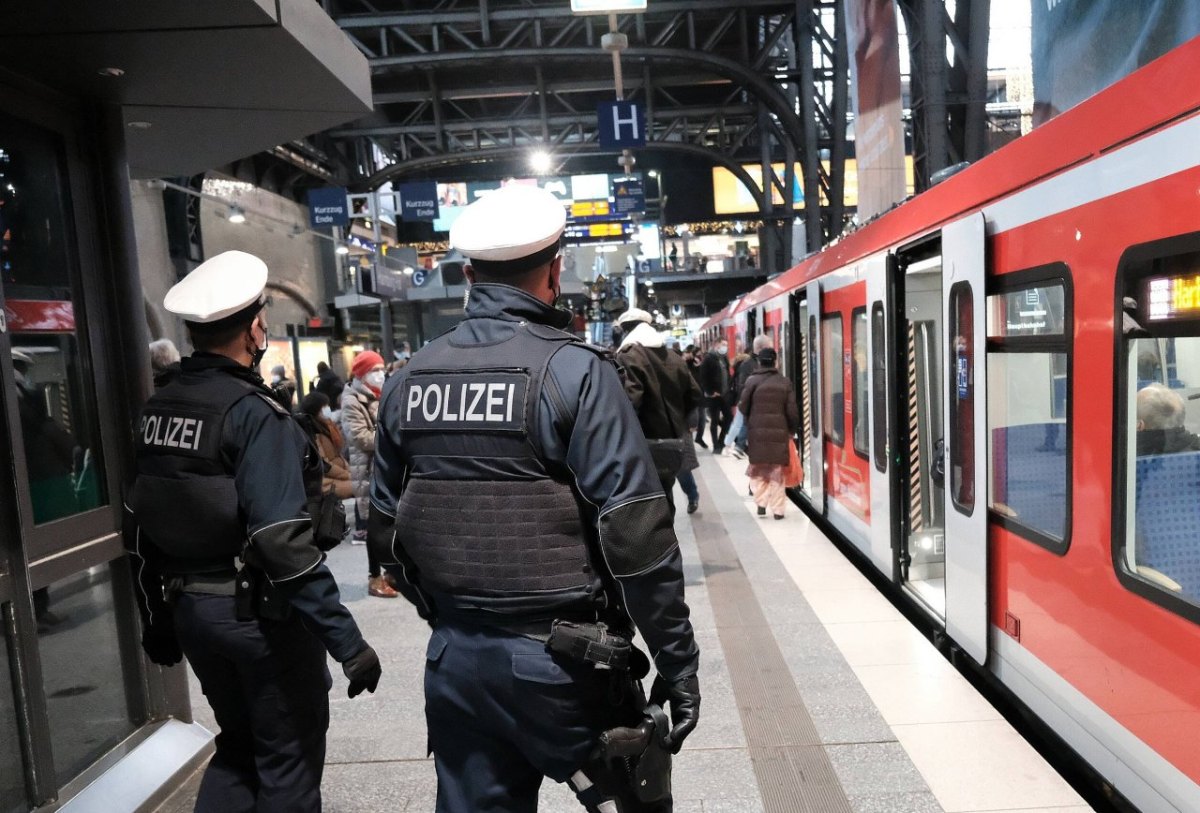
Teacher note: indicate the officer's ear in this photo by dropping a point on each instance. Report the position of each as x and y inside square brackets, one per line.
[555, 272]
[469, 273]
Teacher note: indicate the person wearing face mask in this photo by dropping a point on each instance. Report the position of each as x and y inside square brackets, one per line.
[317, 419]
[360, 411]
[230, 569]
[516, 504]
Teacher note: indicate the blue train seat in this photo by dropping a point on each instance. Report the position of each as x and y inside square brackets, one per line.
[1029, 475]
[1167, 522]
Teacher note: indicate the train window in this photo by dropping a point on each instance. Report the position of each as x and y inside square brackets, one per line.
[879, 385]
[1158, 468]
[1029, 438]
[858, 375]
[812, 377]
[833, 377]
[962, 400]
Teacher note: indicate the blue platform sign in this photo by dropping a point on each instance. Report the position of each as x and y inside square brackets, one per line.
[629, 196]
[328, 207]
[419, 201]
[622, 125]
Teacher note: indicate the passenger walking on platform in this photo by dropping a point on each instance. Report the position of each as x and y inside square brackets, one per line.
[360, 416]
[329, 384]
[317, 419]
[515, 501]
[663, 392]
[769, 401]
[224, 472]
[739, 429]
[692, 357]
[714, 381]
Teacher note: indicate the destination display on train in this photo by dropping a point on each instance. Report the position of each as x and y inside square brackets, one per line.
[1173, 297]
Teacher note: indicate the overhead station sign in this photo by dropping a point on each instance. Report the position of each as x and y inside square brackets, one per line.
[327, 207]
[606, 6]
[621, 125]
[419, 201]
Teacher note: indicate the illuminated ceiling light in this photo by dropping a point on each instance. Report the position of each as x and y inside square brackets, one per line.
[653, 173]
[139, 125]
[540, 161]
[408, 269]
[236, 214]
[342, 249]
[111, 73]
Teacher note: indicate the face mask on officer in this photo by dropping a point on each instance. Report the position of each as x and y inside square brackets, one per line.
[257, 349]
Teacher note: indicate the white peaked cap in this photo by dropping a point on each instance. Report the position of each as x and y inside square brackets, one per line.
[635, 315]
[510, 223]
[219, 287]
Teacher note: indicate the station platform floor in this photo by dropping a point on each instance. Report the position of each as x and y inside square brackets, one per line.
[818, 695]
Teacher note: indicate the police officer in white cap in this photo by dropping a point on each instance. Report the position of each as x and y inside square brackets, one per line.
[231, 572]
[515, 502]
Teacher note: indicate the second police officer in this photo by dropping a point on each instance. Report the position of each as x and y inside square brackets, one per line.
[515, 501]
[224, 473]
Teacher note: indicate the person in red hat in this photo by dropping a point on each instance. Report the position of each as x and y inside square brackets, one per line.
[360, 414]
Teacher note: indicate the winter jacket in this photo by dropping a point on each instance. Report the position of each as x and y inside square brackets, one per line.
[714, 374]
[360, 415]
[741, 375]
[337, 475]
[769, 403]
[658, 384]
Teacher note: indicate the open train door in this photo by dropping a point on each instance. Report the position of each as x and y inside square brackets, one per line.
[879, 309]
[965, 426]
[816, 439]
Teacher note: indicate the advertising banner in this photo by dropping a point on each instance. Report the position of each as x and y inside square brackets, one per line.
[1081, 47]
[874, 44]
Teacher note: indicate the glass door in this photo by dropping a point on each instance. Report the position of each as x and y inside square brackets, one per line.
[69, 614]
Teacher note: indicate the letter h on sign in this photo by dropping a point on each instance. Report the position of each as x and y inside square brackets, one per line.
[621, 125]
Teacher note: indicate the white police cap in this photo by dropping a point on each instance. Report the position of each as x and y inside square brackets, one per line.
[511, 224]
[219, 290]
[635, 315]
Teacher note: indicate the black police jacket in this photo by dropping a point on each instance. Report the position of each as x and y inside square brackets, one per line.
[586, 474]
[254, 467]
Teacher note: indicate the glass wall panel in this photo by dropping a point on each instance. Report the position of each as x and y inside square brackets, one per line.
[55, 390]
[84, 673]
[833, 379]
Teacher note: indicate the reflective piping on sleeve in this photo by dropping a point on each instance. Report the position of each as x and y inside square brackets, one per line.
[382, 510]
[320, 558]
[281, 522]
[630, 501]
[137, 546]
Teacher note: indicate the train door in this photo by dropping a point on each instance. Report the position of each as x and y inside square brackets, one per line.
[814, 475]
[751, 330]
[880, 465]
[965, 424]
[920, 544]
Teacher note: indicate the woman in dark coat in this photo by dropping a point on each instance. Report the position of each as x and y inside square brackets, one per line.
[769, 403]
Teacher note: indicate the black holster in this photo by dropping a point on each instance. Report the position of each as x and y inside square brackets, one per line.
[644, 753]
[255, 597]
[592, 643]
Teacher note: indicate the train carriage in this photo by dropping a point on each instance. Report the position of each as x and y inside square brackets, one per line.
[978, 372]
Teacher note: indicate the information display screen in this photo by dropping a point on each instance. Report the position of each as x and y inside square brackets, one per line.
[1172, 298]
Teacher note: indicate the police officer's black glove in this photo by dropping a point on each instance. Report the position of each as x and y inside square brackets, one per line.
[161, 645]
[363, 671]
[684, 697]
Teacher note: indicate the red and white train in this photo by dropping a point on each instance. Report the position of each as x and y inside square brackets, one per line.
[969, 368]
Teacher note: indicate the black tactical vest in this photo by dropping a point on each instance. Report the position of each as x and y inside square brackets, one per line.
[184, 497]
[484, 520]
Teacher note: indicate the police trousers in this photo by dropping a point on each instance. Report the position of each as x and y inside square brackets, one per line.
[268, 685]
[502, 713]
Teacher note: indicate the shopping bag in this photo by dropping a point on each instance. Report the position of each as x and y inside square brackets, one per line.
[794, 475]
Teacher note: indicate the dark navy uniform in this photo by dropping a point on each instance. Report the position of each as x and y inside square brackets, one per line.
[512, 487]
[220, 464]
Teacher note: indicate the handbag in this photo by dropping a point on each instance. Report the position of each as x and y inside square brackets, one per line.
[328, 519]
[667, 454]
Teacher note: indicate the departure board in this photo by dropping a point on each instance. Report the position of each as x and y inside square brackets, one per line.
[1172, 298]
